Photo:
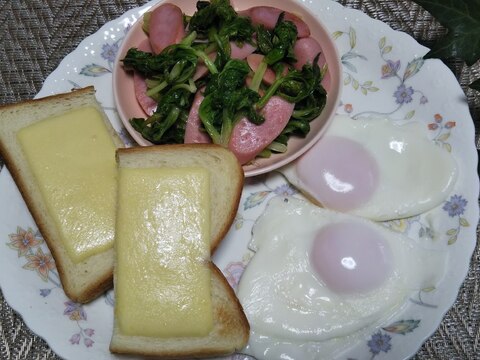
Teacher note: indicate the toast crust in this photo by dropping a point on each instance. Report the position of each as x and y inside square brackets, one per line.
[28, 188]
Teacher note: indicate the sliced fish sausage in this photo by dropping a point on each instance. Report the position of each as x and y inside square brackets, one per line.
[305, 51]
[193, 134]
[269, 77]
[241, 52]
[140, 86]
[268, 16]
[248, 139]
[254, 61]
[166, 27]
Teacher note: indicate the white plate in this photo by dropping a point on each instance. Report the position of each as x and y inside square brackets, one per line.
[383, 73]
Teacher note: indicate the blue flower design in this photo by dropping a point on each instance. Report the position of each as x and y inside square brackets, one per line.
[109, 51]
[455, 206]
[403, 94]
[74, 311]
[285, 190]
[379, 342]
[390, 69]
[45, 292]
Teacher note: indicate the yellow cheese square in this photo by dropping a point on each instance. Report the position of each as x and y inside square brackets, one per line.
[162, 277]
[72, 157]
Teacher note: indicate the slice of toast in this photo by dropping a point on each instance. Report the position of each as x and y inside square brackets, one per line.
[226, 176]
[82, 281]
[230, 330]
[229, 334]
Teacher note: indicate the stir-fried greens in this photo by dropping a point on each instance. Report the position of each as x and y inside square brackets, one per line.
[210, 31]
[227, 100]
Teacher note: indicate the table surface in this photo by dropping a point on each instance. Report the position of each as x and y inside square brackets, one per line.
[35, 35]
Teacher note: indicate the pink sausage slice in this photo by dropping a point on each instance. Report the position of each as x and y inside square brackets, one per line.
[254, 61]
[193, 134]
[166, 27]
[269, 77]
[146, 102]
[140, 86]
[305, 51]
[268, 16]
[241, 52]
[248, 139]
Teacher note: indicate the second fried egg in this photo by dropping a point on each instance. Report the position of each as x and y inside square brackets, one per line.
[375, 168]
[319, 275]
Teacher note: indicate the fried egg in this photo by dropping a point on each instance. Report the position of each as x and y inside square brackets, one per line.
[319, 275]
[375, 168]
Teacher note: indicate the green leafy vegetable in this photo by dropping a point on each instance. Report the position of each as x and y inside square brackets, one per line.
[227, 100]
[239, 29]
[182, 54]
[169, 79]
[213, 14]
[305, 89]
[167, 124]
[218, 22]
[282, 40]
[210, 31]
[297, 85]
[462, 19]
[277, 45]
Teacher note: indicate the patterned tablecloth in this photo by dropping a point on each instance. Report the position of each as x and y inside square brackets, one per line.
[36, 34]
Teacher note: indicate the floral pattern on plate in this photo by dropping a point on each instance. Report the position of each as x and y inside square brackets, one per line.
[383, 74]
[30, 244]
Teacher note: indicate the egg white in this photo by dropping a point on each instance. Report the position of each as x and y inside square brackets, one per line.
[415, 175]
[291, 311]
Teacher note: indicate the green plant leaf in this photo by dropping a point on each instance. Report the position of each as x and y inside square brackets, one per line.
[462, 19]
[443, 137]
[447, 147]
[413, 67]
[452, 240]
[382, 42]
[255, 199]
[337, 34]
[475, 85]
[409, 115]
[353, 37]
[452, 232]
[386, 50]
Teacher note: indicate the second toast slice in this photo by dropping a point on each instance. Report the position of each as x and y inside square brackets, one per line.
[171, 300]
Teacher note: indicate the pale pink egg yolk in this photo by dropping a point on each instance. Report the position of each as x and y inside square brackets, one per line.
[350, 257]
[339, 173]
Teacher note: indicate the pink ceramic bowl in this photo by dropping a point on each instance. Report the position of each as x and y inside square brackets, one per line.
[128, 106]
